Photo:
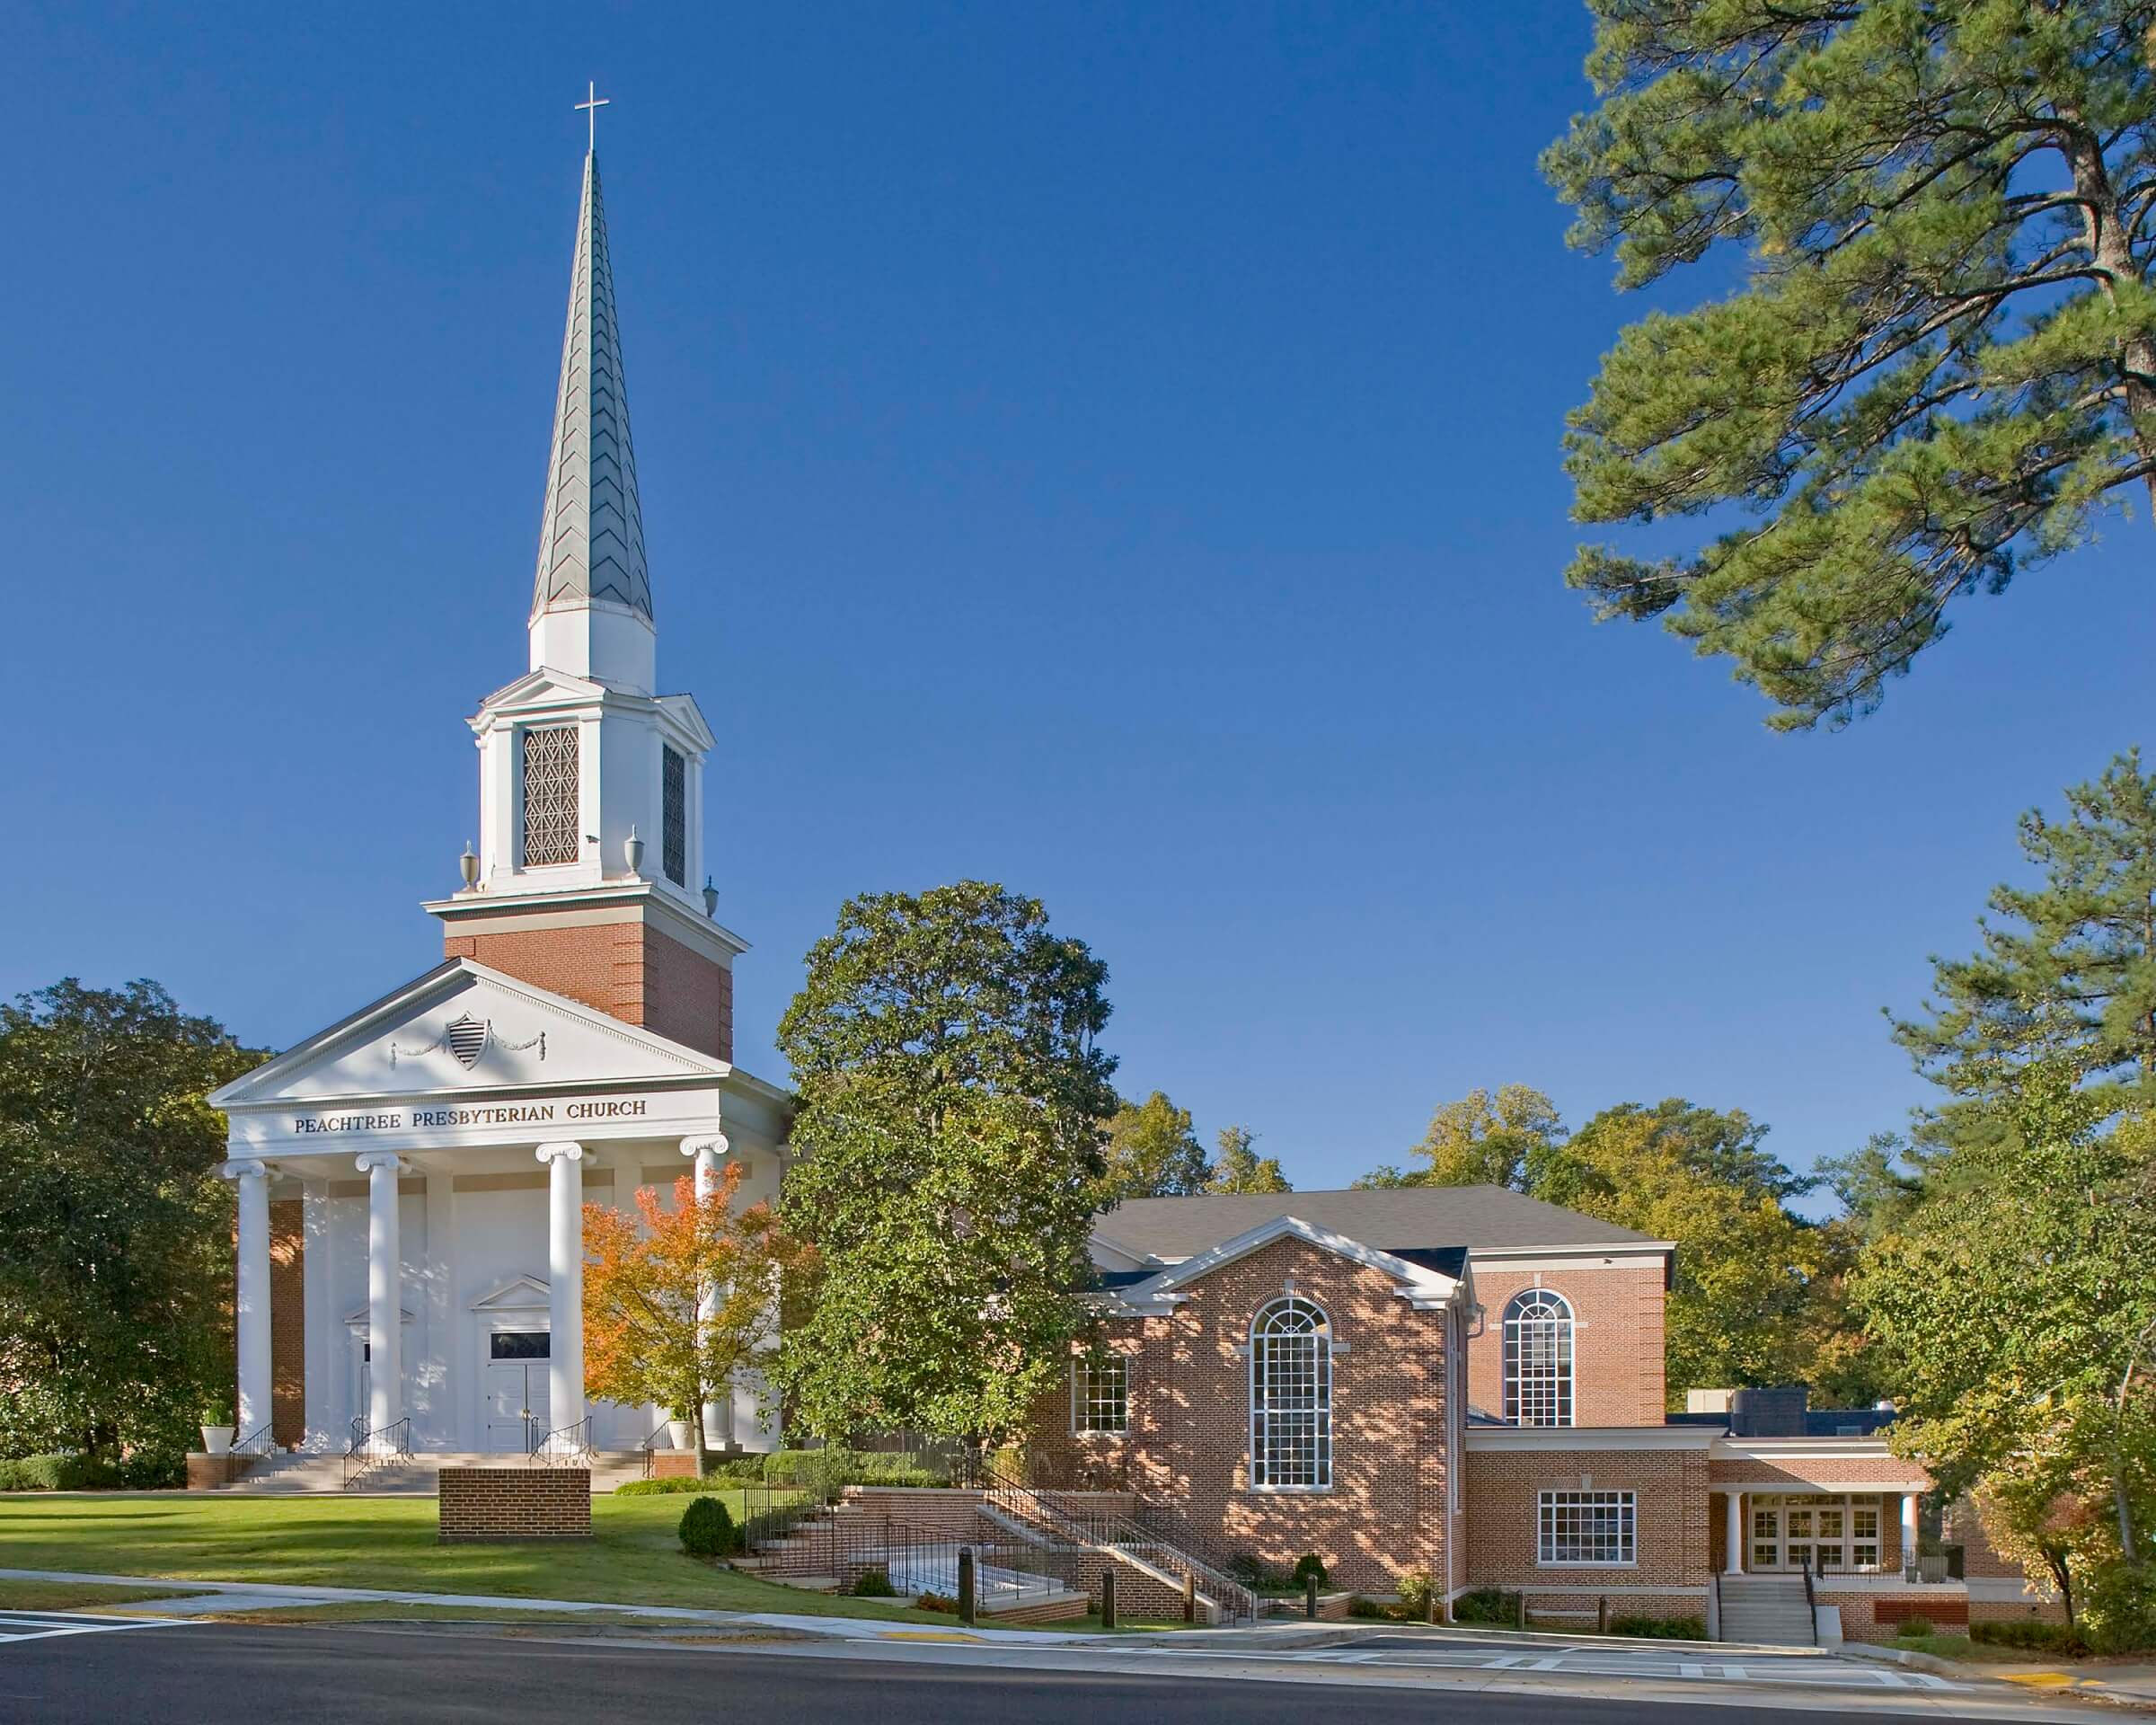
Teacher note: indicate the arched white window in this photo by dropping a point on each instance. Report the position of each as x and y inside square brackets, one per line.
[1290, 1397]
[1538, 1359]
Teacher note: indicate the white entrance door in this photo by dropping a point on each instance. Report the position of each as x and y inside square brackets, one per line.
[516, 1389]
[1832, 1535]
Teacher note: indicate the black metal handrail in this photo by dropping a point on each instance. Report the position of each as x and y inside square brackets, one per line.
[564, 1447]
[841, 1545]
[258, 1442]
[650, 1446]
[1071, 1517]
[370, 1449]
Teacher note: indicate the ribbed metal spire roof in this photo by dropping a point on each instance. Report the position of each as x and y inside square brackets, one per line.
[591, 536]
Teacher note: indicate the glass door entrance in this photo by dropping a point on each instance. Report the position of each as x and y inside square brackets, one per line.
[1824, 1534]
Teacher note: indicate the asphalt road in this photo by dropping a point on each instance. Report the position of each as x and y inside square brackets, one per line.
[220, 1674]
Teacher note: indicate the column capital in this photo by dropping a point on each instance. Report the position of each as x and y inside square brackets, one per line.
[715, 1143]
[569, 1152]
[367, 1162]
[246, 1168]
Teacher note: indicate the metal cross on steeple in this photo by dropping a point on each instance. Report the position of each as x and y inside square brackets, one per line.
[591, 104]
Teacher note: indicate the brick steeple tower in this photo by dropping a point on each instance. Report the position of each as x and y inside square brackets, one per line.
[591, 785]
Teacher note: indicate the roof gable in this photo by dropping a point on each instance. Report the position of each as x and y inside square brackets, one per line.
[464, 1027]
[1420, 1284]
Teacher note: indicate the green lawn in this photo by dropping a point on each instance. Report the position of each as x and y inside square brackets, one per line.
[1960, 1647]
[631, 1559]
[76, 1595]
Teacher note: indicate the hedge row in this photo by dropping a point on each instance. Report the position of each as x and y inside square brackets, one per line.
[75, 1472]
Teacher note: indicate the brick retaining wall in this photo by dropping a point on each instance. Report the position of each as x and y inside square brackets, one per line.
[515, 1503]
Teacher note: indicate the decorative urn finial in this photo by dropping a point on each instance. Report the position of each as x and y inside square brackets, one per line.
[711, 899]
[468, 865]
[633, 848]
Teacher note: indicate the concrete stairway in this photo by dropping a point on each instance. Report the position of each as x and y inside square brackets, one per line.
[1772, 1610]
[296, 1476]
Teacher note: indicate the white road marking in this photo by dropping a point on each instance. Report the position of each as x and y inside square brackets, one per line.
[43, 1625]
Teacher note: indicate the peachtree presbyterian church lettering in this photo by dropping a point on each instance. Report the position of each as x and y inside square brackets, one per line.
[1460, 1381]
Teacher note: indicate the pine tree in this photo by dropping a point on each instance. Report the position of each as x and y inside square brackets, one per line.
[1940, 363]
[2066, 970]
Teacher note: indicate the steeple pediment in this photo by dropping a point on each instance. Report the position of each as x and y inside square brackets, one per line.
[464, 1030]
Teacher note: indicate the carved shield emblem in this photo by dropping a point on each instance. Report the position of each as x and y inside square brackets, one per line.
[467, 1041]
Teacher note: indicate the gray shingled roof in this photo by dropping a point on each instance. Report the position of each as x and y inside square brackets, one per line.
[1392, 1218]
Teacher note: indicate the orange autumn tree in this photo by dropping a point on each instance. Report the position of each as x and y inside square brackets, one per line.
[677, 1299]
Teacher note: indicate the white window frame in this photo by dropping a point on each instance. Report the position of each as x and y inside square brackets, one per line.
[1086, 1400]
[1548, 1506]
[1273, 1412]
[1558, 1387]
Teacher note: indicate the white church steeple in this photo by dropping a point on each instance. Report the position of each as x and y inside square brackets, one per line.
[591, 597]
[589, 872]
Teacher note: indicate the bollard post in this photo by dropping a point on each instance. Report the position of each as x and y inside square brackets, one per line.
[1189, 1598]
[966, 1590]
[1601, 1615]
[1520, 1609]
[1436, 1612]
[1107, 1597]
[1310, 1596]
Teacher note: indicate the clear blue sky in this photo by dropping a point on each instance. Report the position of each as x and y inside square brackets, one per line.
[1110, 450]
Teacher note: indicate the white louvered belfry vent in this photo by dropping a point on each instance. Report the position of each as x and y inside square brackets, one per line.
[674, 796]
[549, 795]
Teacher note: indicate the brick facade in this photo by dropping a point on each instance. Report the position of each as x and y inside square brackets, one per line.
[1673, 1570]
[1186, 1453]
[515, 1503]
[626, 969]
[1617, 1339]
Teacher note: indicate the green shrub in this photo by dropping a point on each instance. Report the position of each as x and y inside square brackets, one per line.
[1916, 1624]
[874, 1584]
[707, 1530]
[2036, 1636]
[1486, 1605]
[1309, 1567]
[57, 1473]
[1661, 1629]
[1416, 1588]
[936, 1602]
[824, 1474]
[2118, 1609]
[662, 1488]
[1358, 1606]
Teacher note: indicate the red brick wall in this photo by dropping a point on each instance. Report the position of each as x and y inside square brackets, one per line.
[1503, 1489]
[515, 1503]
[626, 969]
[1186, 1452]
[287, 1322]
[1617, 1342]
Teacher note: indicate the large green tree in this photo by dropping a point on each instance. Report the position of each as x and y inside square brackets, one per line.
[1482, 1139]
[1937, 361]
[2067, 966]
[1239, 1168]
[115, 1231]
[2019, 1302]
[951, 1093]
[1152, 1152]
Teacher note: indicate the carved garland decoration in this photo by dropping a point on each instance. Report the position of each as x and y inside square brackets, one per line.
[467, 1038]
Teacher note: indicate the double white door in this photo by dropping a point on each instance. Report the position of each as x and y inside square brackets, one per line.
[515, 1398]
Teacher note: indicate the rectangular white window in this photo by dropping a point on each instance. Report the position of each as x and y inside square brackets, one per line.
[674, 816]
[1101, 1394]
[1586, 1529]
[551, 815]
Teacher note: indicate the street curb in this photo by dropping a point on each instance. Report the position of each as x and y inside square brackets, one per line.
[1922, 1662]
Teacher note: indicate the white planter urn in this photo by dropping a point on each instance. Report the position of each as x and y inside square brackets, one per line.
[217, 1440]
[678, 1433]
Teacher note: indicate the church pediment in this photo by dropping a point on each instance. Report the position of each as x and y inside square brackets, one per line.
[461, 1031]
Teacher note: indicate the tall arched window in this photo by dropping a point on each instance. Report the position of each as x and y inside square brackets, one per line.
[1290, 1397]
[1538, 1359]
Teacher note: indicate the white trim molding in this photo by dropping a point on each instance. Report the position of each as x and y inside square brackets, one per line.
[1563, 1438]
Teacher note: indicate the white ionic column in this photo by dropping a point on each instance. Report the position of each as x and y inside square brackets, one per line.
[252, 1295]
[718, 1409]
[1908, 1531]
[1733, 1532]
[565, 1282]
[385, 1292]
